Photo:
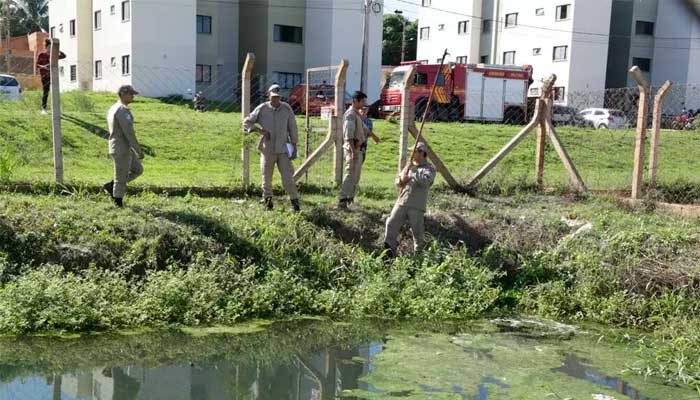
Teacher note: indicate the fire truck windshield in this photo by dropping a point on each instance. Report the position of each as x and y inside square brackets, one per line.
[396, 80]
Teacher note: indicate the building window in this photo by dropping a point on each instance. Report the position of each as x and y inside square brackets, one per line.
[463, 27]
[61, 71]
[98, 20]
[112, 9]
[559, 53]
[462, 60]
[52, 32]
[289, 34]
[511, 20]
[488, 26]
[126, 65]
[644, 28]
[203, 73]
[72, 28]
[484, 59]
[509, 58]
[126, 10]
[425, 33]
[439, 61]
[113, 62]
[427, 3]
[73, 73]
[98, 69]
[441, 27]
[643, 63]
[204, 24]
[537, 51]
[60, 28]
[559, 93]
[286, 80]
[539, 12]
[563, 12]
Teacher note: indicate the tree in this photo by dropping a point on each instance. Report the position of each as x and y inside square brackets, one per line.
[391, 44]
[25, 16]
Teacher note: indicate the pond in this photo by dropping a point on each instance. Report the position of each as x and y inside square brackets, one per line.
[319, 359]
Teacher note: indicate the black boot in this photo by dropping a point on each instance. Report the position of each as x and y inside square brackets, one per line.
[343, 204]
[109, 188]
[388, 251]
[295, 206]
[119, 202]
[267, 201]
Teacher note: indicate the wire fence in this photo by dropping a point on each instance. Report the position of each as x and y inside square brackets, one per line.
[190, 122]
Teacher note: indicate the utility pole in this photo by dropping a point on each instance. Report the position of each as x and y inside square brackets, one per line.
[5, 32]
[403, 35]
[368, 6]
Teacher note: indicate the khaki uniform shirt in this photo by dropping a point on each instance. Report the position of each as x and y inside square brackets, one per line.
[122, 136]
[280, 122]
[354, 127]
[415, 193]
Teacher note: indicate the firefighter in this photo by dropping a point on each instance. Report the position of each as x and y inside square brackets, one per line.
[414, 183]
[355, 133]
[123, 146]
[278, 131]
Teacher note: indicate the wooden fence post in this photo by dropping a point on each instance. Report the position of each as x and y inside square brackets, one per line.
[638, 172]
[339, 110]
[541, 142]
[56, 112]
[656, 133]
[406, 118]
[245, 112]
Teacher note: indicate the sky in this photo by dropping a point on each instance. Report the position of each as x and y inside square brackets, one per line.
[409, 7]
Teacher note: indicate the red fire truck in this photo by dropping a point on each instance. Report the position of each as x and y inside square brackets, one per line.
[476, 92]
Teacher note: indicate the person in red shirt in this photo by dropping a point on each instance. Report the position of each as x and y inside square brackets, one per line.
[43, 66]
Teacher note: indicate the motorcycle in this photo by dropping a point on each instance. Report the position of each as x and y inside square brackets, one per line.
[686, 121]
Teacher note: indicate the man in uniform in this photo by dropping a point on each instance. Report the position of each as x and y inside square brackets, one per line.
[123, 146]
[355, 134]
[43, 65]
[414, 183]
[278, 131]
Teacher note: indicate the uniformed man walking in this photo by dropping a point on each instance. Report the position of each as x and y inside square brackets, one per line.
[278, 131]
[355, 134]
[123, 146]
[414, 182]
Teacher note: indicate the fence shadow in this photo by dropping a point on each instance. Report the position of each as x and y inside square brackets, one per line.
[92, 128]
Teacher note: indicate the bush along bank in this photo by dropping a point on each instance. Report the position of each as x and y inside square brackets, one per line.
[76, 264]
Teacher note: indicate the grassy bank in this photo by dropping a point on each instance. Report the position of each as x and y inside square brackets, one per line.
[73, 263]
[189, 149]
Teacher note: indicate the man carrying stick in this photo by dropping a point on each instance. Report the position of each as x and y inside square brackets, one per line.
[414, 183]
[355, 134]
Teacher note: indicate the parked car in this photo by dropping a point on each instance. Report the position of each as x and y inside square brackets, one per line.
[10, 88]
[321, 96]
[605, 118]
[564, 115]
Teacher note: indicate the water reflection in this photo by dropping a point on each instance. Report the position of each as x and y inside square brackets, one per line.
[319, 376]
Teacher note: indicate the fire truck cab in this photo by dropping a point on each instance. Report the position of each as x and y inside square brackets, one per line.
[476, 92]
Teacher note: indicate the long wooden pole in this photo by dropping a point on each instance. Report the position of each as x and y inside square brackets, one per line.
[427, 107]
[245, 112]
[656, 133]
[638, 173]
[56, 112]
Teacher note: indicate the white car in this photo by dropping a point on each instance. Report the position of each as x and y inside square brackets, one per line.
[10, 88]
[605, 118]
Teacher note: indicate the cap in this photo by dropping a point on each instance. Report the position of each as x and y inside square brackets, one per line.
[127, 89]
[422, 147]
[274, 90]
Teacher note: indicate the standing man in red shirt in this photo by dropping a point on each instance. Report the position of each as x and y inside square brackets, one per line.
[43, 65]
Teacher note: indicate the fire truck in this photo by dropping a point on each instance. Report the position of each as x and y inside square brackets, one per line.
[475, 92]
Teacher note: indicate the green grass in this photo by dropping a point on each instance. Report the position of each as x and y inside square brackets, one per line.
[189, 149]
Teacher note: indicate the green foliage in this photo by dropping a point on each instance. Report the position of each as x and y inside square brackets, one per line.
[392, 38]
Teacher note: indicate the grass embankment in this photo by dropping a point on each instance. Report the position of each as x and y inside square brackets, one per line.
[73, 263]
[189, 149]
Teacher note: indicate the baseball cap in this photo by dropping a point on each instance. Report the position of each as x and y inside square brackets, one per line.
[422, 147]
[127, 89]
[274, 90]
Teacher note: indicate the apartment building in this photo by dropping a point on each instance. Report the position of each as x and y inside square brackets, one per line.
[178, 47]
[164, 48]
[289, 37]
[590, 45]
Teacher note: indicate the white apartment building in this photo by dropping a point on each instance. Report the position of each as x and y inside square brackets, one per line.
[178, 47]
[289, 37]
[162, 48]
[589, 44]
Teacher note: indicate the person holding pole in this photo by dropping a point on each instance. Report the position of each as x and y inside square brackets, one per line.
[355, 134]
[123, 146]
[43, 66]
[414, 183]
[278, 144]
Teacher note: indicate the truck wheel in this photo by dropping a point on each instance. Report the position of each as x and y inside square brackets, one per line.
[514, 116]
[453, 112]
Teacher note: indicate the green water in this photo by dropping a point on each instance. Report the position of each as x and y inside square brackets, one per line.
[314, 359]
